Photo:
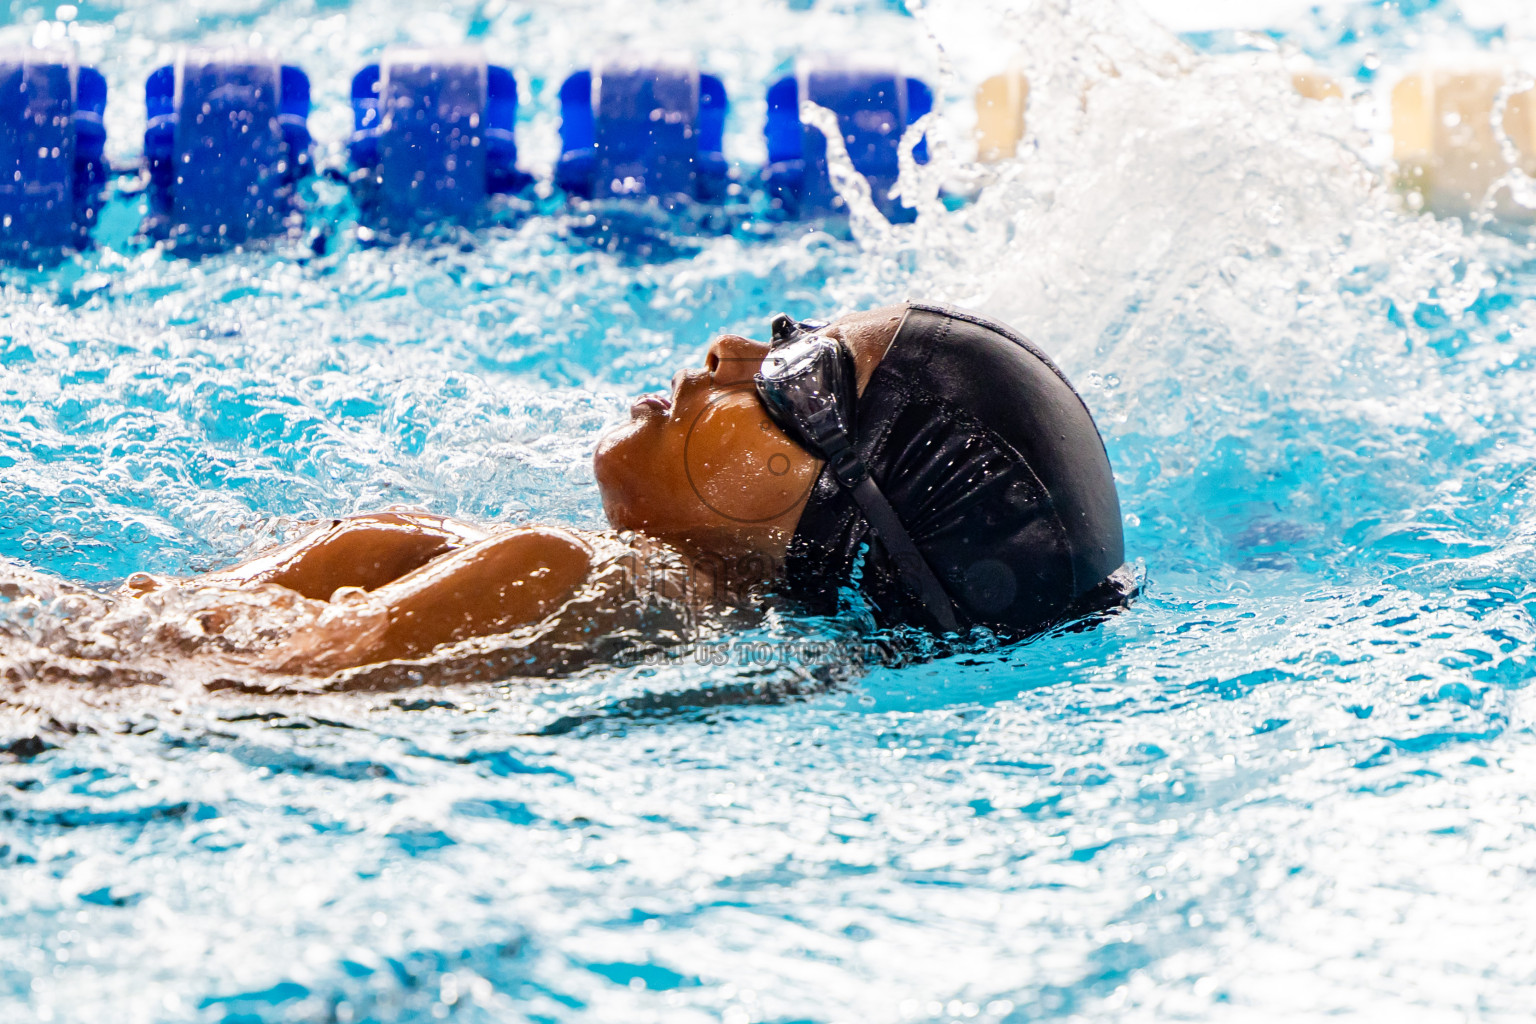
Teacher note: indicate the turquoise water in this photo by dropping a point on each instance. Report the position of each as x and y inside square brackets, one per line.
[1293, 779]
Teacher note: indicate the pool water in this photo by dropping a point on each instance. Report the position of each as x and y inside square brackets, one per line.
[1294, 778]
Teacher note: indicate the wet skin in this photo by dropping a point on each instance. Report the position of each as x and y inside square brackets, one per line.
[703, 470]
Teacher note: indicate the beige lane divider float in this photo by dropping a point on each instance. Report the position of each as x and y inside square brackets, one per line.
[1316, 86]
[1000, 104]
[1002, 101]
[1448, 155]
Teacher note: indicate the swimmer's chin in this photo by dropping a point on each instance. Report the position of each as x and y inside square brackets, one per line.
[613, 467]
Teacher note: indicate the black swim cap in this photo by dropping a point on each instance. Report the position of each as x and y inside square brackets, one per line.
[995, 468]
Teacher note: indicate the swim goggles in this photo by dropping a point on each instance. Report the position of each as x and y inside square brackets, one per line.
[809, 386]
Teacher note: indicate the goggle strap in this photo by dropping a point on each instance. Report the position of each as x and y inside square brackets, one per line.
[823, 427]
[914, 567]
[845, 462]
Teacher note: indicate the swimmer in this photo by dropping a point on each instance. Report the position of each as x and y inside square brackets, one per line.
[927, 458]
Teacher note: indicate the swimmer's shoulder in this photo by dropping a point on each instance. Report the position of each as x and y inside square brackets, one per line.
[591, 555]
[597, 547]
[601, 545]
[558, 559]
[617, 566]
[555, 536]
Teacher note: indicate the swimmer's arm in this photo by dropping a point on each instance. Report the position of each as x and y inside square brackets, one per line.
[361, 551]
[505, 581]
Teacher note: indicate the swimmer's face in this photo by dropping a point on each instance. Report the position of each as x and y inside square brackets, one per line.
[704, 467]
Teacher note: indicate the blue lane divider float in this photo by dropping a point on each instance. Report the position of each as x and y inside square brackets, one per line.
[51, 138]
[632, 129]
[874, 105]
[227, 141]
[433, 137]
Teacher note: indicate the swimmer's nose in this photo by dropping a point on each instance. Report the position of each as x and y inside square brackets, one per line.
[733, 359]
